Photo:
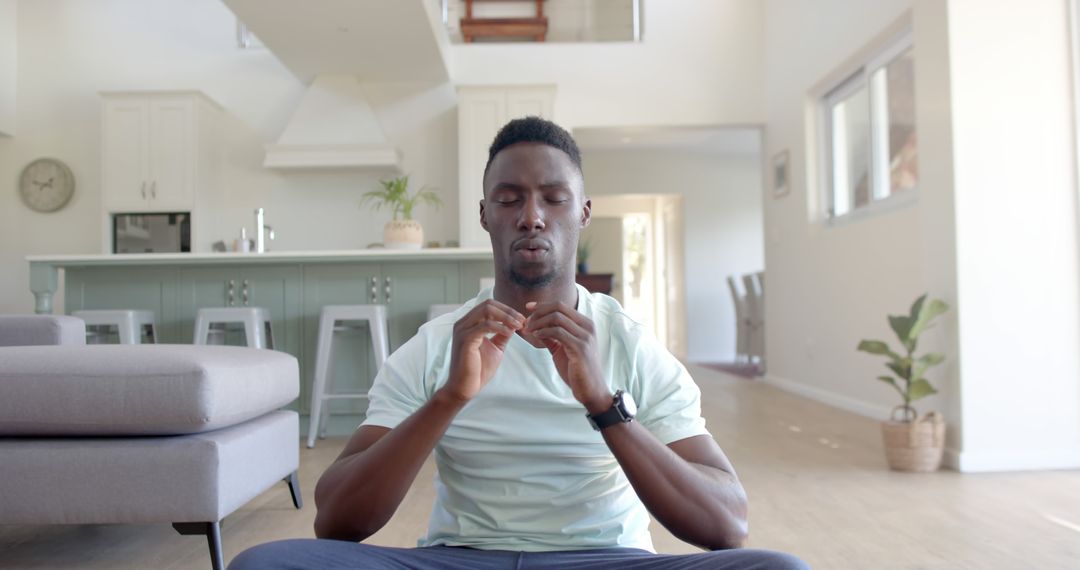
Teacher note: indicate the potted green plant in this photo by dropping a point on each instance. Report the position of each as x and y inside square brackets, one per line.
[402, 232]
[912, 443]
[584, 248]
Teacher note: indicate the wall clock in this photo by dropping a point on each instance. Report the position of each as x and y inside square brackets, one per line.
[46, 185]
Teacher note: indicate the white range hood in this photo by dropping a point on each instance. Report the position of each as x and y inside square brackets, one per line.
[333, 128]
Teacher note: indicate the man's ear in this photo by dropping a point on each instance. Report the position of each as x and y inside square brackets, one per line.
[483, 217]
[586, 213]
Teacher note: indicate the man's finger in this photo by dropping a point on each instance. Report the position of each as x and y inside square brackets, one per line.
[562, 337]
[490, 326]
[496, 306]
[543, 309]
[560, 320]
[501, 340]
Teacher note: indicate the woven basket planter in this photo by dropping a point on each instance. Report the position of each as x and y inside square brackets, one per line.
[403, 234]
[915, 445]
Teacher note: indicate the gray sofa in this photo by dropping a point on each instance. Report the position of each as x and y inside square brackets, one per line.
[139, 433]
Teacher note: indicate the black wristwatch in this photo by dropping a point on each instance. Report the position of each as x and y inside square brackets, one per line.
[623, 409]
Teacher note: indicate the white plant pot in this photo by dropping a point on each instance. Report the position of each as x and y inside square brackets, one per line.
[403, 234]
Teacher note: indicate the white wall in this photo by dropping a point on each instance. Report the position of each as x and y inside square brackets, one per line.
[993, 230]
[700, 63]
[1016, 234]
[8, 55]
[88, 47]
[827, 287]
[722, 215]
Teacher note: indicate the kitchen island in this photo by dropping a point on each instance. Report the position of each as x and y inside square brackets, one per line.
[293, 286]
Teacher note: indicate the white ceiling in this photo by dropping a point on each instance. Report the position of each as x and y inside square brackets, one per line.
[711, 140]
[376, 40]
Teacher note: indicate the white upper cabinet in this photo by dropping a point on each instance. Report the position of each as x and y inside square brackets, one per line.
[153, 158]
[482, 111]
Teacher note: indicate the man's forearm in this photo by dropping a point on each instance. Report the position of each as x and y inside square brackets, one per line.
[699, 503]
[359, 493]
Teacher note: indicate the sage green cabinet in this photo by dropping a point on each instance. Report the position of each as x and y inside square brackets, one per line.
[275, 288]
[407, 289]
[143, 289]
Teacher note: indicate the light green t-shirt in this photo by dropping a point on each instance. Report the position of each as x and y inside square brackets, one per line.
[520, 467]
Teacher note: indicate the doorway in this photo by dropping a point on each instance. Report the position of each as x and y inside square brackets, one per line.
[638, 238]
[701, 191]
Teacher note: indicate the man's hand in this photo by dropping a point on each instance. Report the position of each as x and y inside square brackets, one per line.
[480, 338]
[571, 339]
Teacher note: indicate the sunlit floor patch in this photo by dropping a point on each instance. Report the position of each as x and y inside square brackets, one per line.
[1060, 521]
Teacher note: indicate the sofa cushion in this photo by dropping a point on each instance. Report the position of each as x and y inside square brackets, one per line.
[200, 477]
[31, 330]
[139, 389]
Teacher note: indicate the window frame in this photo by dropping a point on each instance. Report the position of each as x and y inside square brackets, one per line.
[862, 77]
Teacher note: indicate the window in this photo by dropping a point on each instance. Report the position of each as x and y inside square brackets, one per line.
[870, 143]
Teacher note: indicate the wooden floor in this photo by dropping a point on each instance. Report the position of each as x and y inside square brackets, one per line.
[816, 477]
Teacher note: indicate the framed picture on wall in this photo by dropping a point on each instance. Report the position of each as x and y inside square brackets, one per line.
[780, 184]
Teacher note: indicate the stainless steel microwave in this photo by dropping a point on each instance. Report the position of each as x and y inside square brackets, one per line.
[152, 233]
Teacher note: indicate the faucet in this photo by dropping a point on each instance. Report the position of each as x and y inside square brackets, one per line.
[261, 231]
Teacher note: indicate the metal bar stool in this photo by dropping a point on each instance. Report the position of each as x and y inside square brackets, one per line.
[130, 324]
[258, 331]
[332, 319]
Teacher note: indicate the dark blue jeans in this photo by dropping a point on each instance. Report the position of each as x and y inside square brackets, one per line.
[316, 554]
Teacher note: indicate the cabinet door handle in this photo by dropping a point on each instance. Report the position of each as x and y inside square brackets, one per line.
[142, 189]
[244, 292]
[153, 189]
[374, 289]
[232, 292]
[387, 289]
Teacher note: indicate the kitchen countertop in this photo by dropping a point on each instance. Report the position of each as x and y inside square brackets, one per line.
[45, 269]
[443, 253]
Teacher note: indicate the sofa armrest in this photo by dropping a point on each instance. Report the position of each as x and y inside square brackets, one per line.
[36, 330]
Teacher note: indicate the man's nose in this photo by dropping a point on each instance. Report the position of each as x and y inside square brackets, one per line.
[532, 215]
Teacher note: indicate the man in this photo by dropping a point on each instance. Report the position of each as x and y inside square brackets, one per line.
[526, 395]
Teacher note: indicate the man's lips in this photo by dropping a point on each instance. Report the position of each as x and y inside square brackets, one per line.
[532, 249]
[532, 244]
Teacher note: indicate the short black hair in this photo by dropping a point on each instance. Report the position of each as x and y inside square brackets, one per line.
[534, 130]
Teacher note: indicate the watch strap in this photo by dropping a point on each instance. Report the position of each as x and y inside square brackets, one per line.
[616, 414]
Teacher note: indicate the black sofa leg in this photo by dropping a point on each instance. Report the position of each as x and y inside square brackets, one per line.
[294, 487]
[212, 530]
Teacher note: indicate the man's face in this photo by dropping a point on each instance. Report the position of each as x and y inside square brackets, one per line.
[534, 208]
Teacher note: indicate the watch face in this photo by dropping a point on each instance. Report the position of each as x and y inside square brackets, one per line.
[46, 185]
[628, 404]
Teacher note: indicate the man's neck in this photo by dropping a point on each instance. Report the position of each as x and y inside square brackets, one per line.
[517, 296]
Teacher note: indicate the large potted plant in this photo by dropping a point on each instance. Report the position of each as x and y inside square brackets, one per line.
[402, 232]
[912, 443]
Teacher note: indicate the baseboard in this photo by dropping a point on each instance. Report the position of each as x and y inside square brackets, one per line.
[963, 461]
[950, 459]
[873, 411]
[1015, 460]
